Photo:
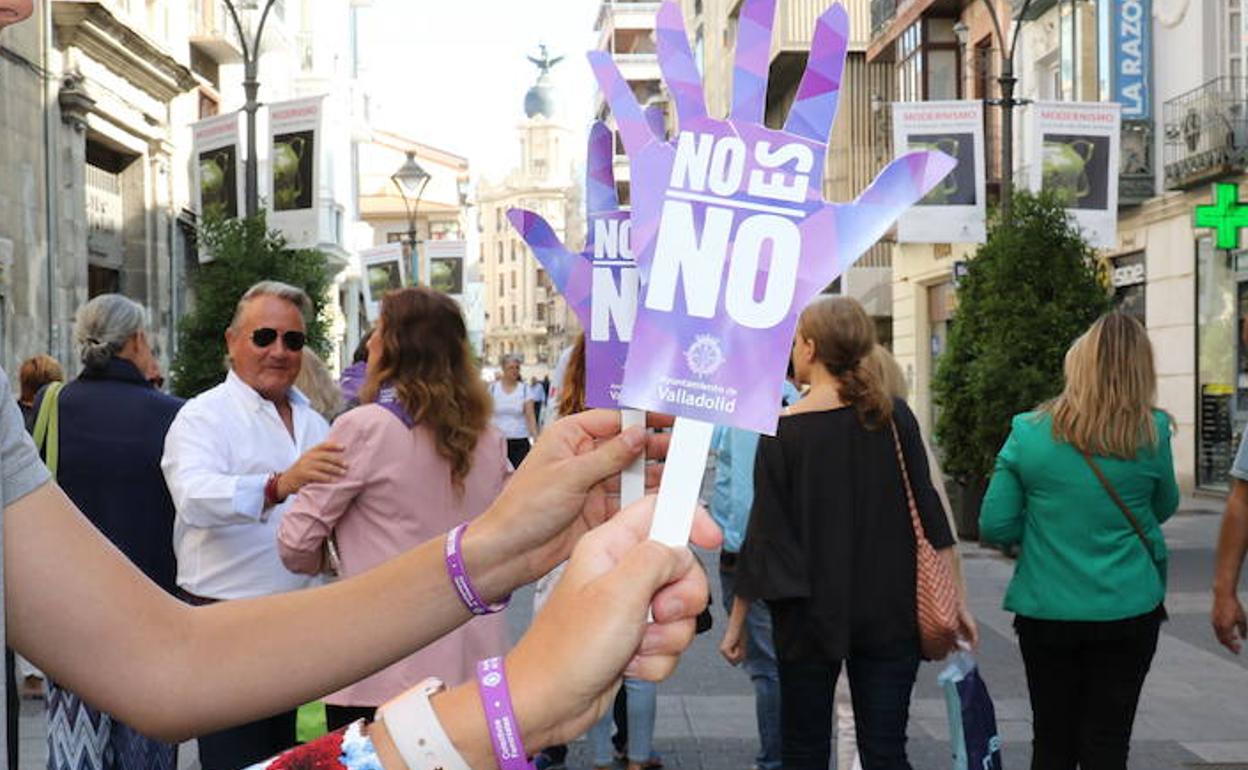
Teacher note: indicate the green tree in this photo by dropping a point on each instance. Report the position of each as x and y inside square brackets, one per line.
[1031, 289]
[244, 252]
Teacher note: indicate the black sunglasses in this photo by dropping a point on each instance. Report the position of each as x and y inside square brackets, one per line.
[264, 337]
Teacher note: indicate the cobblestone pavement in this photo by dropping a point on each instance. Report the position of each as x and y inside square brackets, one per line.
[1194, 711]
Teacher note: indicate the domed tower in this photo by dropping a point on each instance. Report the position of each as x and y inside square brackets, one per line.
[544, 143]
[525, 315]
[540, 99]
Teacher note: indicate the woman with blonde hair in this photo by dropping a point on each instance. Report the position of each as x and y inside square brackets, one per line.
[830, 544]
[1083, 485]
[423, 434]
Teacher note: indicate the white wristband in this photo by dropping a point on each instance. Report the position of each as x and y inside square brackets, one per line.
[416, 731]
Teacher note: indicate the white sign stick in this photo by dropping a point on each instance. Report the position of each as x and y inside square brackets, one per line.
[682, 481]
[633, 478]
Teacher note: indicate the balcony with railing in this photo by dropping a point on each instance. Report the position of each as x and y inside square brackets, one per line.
[626, 14]
[212, 31]
[1206, 133]
[796, 20]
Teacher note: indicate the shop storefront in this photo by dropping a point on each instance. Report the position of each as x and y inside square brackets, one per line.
[1222, 360]
[1130, 283]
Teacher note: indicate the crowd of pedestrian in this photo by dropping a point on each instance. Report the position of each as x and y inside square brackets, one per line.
[282, 479]
[237, 499]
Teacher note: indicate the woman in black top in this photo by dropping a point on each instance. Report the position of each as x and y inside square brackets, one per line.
[830, 545]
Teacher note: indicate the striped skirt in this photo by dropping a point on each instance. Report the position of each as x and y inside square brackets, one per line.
[82, 738]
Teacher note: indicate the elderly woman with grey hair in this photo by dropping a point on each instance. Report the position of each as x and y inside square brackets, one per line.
[112, 426]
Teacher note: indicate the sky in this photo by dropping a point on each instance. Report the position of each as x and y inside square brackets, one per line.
[454, 74]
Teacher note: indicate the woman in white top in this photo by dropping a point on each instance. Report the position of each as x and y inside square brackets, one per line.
[513, 411]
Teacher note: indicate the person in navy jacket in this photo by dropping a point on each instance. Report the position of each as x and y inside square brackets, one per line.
[112, 429]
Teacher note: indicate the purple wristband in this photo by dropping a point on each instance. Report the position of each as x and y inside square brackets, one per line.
[459, 576]
[500, 718]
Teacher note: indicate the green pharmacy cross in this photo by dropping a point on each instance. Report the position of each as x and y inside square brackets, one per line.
[1227, 215]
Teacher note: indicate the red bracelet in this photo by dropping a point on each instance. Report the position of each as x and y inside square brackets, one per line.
[270, 491]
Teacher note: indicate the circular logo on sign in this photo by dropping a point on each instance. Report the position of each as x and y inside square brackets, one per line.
[704, 356]
[492, 679]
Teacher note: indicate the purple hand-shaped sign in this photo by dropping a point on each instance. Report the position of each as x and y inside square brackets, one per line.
[600, 285]
[730, 230]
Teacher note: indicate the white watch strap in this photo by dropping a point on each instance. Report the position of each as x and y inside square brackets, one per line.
[416, 731]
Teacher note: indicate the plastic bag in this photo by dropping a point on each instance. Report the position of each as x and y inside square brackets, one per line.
[972, 718]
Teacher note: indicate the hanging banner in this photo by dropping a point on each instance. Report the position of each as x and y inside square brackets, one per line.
[1074, 153]
[601, 285]
[218, 169]
[955, 211]
[729, 226]
[444, 264]
[294, 168]
[383, 269]
[1132, 57]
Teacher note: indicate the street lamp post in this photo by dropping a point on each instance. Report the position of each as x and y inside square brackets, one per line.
[1007, 82]
[251, 88]
[411, 180]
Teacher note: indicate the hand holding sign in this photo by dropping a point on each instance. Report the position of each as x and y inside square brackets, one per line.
[601, 285]
[730, 230]
[733, 238]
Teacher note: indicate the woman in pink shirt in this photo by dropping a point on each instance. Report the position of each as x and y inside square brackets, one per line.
[421, 458]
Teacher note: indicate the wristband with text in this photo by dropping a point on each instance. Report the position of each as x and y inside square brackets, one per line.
[458, 573]
[500, 717]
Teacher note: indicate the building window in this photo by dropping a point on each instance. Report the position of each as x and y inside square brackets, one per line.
[513, 315]
[500, 252]
[208, 106]
[541, 312]
[513, 279]
[1233, 40]
[513, 251]
[928, 61]
[500, 286]
[102, 280]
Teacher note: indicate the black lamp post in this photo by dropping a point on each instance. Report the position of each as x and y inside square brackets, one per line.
[1006, 81]
[411, 180]
[251, 88]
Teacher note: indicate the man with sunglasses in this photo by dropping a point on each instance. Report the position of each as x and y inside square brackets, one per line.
[233, 458]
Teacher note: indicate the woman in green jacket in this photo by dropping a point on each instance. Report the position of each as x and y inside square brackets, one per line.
[1089, 585]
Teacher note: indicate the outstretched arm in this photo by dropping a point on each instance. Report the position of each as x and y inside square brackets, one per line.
[171, 671]
[1229, 622]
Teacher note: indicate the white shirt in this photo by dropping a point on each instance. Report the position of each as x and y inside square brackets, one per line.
[219, 452]
[509, 409]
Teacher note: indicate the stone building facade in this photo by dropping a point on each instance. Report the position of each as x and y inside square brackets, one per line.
[524, 313]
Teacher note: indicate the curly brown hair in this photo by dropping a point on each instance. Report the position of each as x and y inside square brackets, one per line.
[844, 339]
[425, 355]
